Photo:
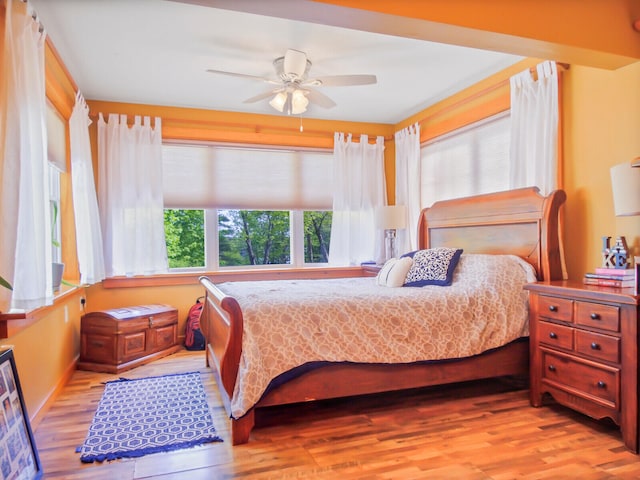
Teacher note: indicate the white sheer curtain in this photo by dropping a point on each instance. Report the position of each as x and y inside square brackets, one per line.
[85, 203]
[534, 133]
[359, 187]
[25, 248]
[408, 177]
[130, 196]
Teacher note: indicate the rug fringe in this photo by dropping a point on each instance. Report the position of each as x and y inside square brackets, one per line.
[146, 451]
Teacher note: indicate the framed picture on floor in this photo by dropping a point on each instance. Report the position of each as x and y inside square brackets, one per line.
[18, 452]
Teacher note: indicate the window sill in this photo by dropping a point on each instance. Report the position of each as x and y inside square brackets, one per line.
[13, 323]
[192, 278]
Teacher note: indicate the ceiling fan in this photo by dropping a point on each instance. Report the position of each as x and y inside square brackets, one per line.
[294, 89]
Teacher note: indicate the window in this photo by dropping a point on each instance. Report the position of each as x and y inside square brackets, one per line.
[253, 237]
[56, 156]
[54, 212]
[184, 234]
[240, 207]
[317, 232]
[470, 161]
[246, 237]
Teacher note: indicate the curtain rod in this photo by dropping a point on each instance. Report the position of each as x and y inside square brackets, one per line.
[563, 67]
[253, 127]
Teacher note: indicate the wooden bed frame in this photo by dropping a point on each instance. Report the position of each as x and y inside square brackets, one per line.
[519, 222]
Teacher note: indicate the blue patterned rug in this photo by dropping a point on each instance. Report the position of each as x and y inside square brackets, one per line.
[149, 415]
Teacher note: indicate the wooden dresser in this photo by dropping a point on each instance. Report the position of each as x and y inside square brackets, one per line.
[123, 338]
[584, 351]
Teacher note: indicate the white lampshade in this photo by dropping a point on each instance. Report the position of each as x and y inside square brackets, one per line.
[391, 217]
[278, 101]
[625, 182]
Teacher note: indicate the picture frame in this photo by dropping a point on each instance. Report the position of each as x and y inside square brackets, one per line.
[18, 453]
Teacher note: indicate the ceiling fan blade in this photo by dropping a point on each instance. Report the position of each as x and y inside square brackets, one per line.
[320, 99]
[295, 62]
[263, 95]
[244, 75]
[342, 80]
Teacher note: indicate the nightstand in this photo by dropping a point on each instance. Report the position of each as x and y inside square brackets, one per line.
[584, 351]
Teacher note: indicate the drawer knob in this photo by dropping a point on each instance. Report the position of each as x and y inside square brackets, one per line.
[601, 384]
[151, 322]
[553, 335]
[553, 308]
[595, 316]
[552, 368]
[595, 346]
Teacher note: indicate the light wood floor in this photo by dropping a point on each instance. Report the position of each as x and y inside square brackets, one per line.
[482, 430]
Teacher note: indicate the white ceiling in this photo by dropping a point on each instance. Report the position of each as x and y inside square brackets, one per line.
[157, 52]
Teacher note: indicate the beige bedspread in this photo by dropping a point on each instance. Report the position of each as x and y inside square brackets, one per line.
[289, 323]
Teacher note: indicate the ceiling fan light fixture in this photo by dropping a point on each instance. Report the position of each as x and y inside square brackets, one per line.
[292, 96]
[278, 101]
[299, 102]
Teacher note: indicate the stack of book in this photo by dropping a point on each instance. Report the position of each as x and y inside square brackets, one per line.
[611, 277]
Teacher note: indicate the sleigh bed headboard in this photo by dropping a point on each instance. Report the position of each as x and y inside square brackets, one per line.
[520, 222]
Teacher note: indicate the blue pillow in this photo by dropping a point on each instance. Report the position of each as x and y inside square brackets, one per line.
[433, 266]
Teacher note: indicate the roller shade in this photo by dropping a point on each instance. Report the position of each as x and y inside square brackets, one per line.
[56, 139]
[196, 176]
[470, 161]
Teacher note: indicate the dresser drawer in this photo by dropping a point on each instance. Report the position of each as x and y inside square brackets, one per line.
[555, 308]
[590, 381]
[554, 335]
[605, 317]
[598, 346]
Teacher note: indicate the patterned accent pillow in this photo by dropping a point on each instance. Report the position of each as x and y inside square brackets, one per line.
[433, 266]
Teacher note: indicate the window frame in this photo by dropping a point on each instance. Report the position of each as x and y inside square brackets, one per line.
[211, 231]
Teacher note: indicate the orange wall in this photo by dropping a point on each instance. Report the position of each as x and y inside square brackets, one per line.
[46, 352]
[602, 128]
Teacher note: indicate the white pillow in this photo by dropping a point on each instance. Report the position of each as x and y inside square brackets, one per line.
[394, 271]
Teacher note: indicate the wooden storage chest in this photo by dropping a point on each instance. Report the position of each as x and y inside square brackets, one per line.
[123, 338]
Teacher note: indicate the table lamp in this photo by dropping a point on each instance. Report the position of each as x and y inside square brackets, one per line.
[391, 218]
[625, 183]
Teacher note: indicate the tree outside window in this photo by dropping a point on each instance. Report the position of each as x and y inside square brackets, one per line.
[245, 237]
